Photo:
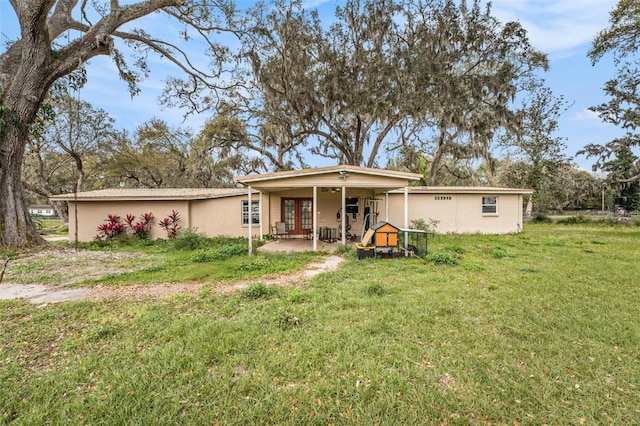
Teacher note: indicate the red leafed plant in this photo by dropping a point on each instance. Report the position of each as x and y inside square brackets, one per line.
[111, 229]
[170, 224]
[140, 228]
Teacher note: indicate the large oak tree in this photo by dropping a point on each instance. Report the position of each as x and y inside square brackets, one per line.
[57, 37]
[438, 69]
[622, 41]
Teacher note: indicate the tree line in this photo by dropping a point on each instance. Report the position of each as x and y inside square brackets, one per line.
[438, 87]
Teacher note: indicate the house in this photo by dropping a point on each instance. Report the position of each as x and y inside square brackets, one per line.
[47, 211]
[339, 201]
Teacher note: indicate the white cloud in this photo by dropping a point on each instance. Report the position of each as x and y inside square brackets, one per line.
[587, 117]
[557, 26]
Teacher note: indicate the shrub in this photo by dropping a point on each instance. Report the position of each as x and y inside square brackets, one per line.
[443, 257]
[431, 225]
[111, 229]
[500, 253]
[190, 240]
[375, 289]
[575, 220]
[343, 249]
[141, 228]
[204, 256]
[257, 291]
[254, 264]
[114, 228]
[539, 217]
[170, 224]
[209, 255]
[455, 248]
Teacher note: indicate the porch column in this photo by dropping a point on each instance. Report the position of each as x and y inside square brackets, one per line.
[314, 227]
[260, 214]
[343, 224]
[386, 206]
[406, 219]
[249, 220]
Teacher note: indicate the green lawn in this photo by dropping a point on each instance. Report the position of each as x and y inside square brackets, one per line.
[536, 328]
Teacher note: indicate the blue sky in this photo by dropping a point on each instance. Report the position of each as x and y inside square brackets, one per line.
[564, 29]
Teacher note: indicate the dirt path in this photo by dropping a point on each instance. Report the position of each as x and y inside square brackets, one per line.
[42, 294]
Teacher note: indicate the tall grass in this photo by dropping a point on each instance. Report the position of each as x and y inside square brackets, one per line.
[534, 328]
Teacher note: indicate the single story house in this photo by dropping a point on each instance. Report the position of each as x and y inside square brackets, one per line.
[328, 202]
[44, 210]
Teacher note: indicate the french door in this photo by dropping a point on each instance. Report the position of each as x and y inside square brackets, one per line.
[297, 213]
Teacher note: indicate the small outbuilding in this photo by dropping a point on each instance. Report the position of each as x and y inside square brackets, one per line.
[385, 237]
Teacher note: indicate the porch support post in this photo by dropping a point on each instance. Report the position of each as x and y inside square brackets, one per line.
[406, 219]
[344, 216]
[386, 206]
[249, 221]
[314, 227]
[260, 215]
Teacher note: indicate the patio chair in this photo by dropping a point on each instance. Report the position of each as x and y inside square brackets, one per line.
[280, 230]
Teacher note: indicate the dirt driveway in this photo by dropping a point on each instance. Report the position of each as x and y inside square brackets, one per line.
[67, 266]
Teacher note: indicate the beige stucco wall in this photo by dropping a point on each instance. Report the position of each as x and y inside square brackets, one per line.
[93, 213]
[460, 214]
[223, 216]
[213, 217]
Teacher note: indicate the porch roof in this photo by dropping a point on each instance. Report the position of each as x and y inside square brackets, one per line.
[330, 177]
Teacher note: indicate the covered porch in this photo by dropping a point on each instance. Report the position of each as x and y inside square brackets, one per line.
[323, 205]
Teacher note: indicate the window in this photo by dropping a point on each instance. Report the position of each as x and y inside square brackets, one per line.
[255, 212]
[443, 198]
[489, 205]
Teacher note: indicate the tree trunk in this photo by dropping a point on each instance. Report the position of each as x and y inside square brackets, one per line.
[528, 212]
[16, 228]
[22, 99]
[435, 164]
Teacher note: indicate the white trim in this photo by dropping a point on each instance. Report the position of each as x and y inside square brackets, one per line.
[250, 221]
[250, 213]
[454, 190]
[497, 212]
[260, 214]
[327, 170]
[314, 230]
[386, 206]
[406, 219]
[343, 223]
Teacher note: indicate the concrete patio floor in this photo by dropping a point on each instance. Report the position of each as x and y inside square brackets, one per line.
[296, 245]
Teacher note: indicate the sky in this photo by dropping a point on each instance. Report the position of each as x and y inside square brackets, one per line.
[563, 29]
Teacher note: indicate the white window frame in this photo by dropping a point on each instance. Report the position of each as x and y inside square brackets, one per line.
[489, 205]
[244, 219]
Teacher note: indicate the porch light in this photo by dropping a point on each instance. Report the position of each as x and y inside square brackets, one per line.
[343, 174]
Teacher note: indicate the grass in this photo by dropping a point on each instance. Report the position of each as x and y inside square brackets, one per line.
[535, 328]
[132, 261]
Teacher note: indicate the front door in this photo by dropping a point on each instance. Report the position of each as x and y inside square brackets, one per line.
[297, 213]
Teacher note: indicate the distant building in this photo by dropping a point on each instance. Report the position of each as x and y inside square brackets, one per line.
[47, 211]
